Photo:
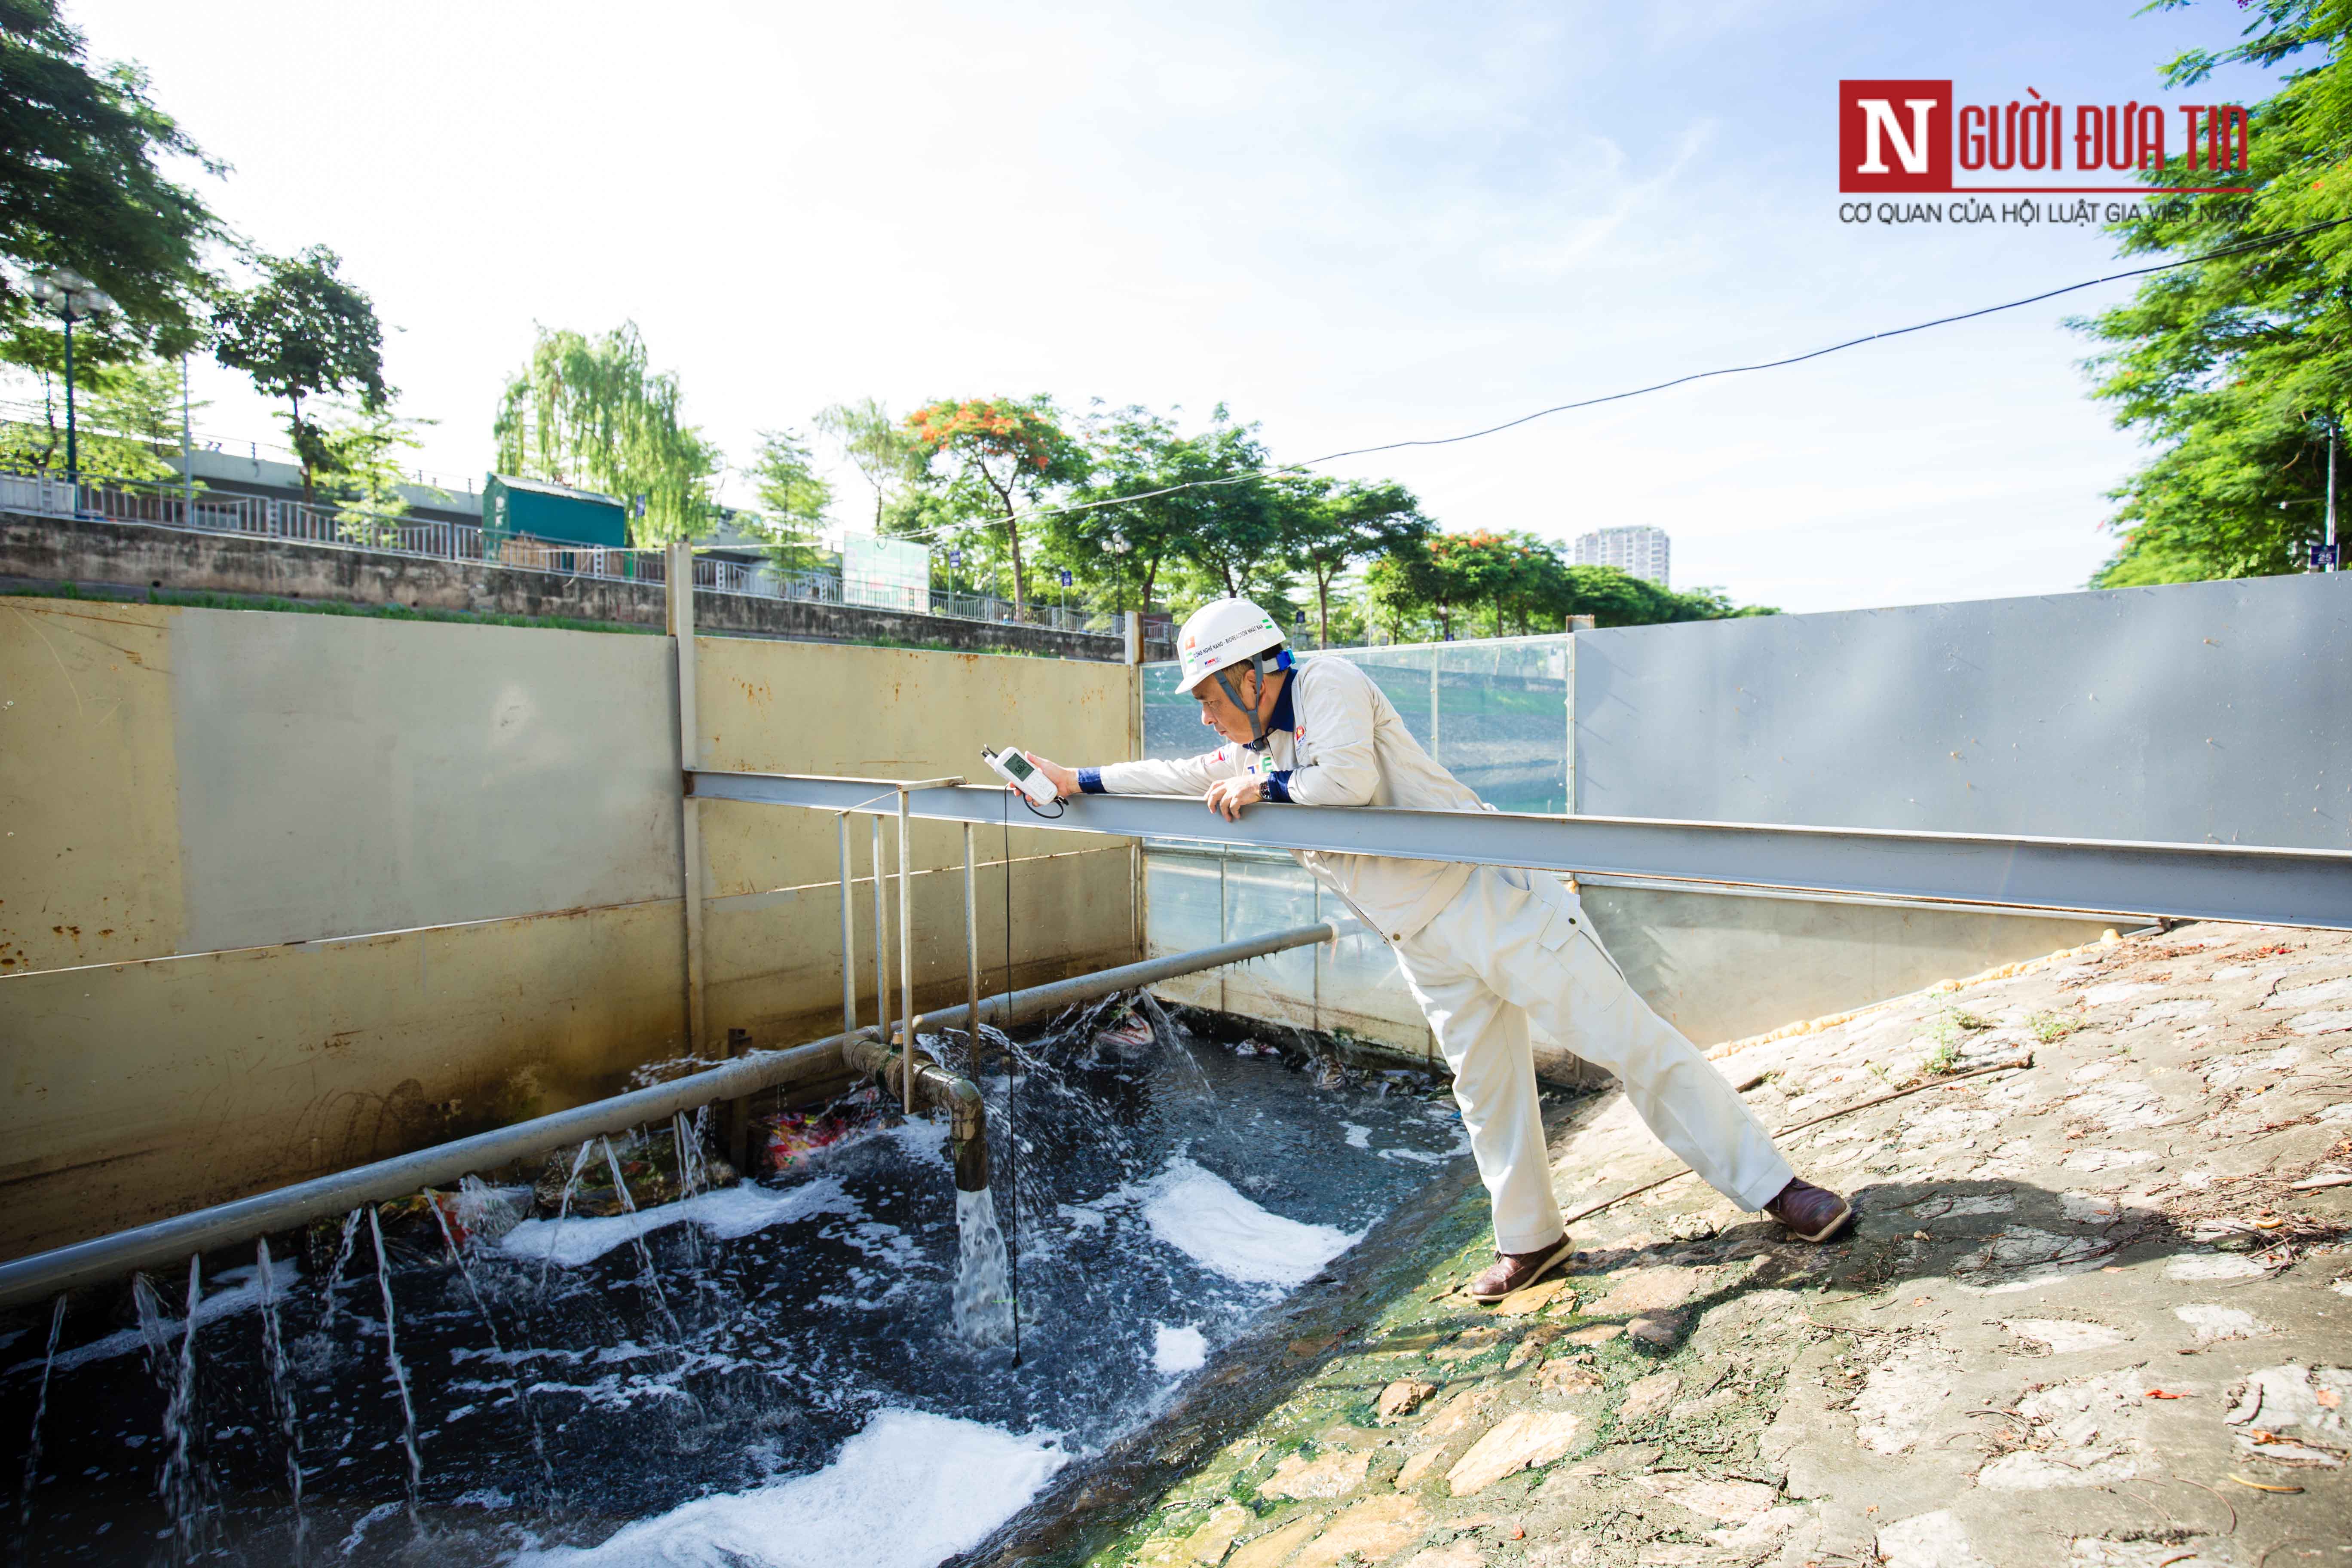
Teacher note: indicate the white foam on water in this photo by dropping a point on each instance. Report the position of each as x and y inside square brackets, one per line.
[241, 1291]
[1357, 1137]
[1178, 1349]
[1199, 1214]
[909, 1491]
[726, 1212]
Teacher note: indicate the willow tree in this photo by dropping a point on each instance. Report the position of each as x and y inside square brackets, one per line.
[888, 456]
[592, 412]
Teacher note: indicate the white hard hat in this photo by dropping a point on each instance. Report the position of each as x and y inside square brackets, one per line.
[1221, 632]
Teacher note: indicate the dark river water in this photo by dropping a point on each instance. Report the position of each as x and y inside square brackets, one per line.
[765, 1374]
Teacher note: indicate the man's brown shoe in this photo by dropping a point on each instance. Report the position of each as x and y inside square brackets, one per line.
[1811, 1213]
[1517, 1270]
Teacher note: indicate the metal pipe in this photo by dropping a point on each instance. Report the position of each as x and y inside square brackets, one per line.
[972, 934]
[934, 1087]
[906, 957]
[881, 935]
[44, 1274]
[848, 936]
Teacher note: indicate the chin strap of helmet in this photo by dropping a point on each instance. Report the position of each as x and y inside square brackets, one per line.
[1258, 667]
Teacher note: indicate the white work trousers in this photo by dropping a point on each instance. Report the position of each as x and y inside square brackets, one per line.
[1506, 953]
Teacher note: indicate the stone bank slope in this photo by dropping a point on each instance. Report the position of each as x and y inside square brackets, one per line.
[2094, 1312]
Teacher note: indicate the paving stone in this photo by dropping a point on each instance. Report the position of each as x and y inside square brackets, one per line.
[1517, 1441]
[1562, 1376]
[1459, 1411]
[1277, 1545]
[1645, 1397]
[1420, 1464]
[1532, 1344]
[1474, 1342]
[2062, 1336]
[1216, 1534]
[1403, 1397]
[1931, 1540]
[1332, 1476]
[1457, 1555]
[1373, 1531]
[2209, 1323]
[1662, 1328]
[1534, 1299]
[1648, 1290]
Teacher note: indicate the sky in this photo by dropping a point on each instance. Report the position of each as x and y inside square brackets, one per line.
[1354, 225]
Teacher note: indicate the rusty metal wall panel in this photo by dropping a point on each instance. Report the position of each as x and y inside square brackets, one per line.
[339, 776]
[2190, 713]
[778, 707]
[89, 841]
[138, 1090]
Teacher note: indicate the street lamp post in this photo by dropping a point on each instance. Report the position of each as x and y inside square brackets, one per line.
[70, 296]
[1119, 547]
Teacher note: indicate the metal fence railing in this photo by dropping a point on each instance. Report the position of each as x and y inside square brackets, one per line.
[167, 505]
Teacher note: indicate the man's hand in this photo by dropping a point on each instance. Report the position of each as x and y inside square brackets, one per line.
[1227, 796]
[1064, 779]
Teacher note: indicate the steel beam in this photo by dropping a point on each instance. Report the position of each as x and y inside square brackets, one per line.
[2085, 876]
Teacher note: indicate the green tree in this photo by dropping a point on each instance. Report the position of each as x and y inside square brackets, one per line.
[1424, 579]
[593, 412]
[366, 453]
[82, 185]
[301, 333]
[793, 498]
[888, 455]
[1001, 455]
[128, 415]
[1234, 546]
[1129, 530]
[1328, 527]
[2239, 369]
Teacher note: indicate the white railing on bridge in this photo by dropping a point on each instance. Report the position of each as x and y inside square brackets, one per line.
[167, 505]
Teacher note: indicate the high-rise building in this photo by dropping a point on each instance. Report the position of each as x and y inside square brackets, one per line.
[1640, 550]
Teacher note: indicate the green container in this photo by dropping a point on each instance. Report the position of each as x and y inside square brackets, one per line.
[541, 509]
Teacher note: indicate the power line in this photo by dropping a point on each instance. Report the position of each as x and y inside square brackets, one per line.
[2239, 248]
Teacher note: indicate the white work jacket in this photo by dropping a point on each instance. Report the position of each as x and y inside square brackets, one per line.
[1337, 740]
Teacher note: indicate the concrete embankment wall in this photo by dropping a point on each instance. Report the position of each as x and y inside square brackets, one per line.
[133, 558]
[282, 893]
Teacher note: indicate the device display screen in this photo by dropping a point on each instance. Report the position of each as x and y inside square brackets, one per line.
[1017, 766]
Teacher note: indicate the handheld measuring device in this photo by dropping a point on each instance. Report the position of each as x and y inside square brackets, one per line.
[1021, 773]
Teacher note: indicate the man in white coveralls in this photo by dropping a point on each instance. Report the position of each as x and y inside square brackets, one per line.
[1486, 951]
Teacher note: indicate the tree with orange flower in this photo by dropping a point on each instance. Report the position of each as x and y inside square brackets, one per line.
[1002, 455]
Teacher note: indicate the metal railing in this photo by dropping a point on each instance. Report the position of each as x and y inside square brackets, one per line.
[175, 506]
[2291, 887]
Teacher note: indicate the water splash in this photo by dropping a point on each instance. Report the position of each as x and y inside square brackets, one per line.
[563, 1207]
[1173, 1044]
[281, 1390]
[646, 1278]
[983, 1296]
[399, 1377]
[40, 1409]
[693, 1170]
[335, 1274]
[515, 1383]
[180, 1485]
